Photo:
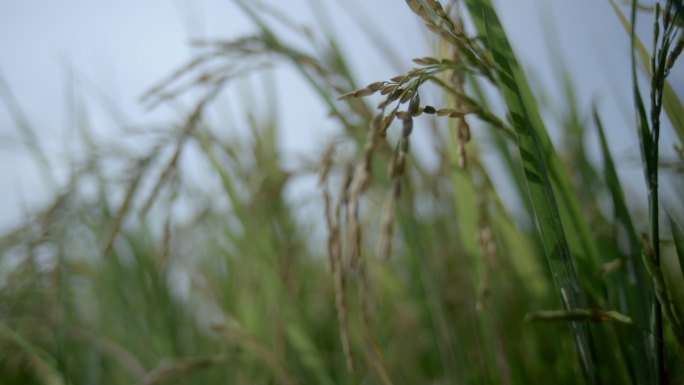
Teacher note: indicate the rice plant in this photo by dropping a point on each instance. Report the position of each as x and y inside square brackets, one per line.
[425, 276]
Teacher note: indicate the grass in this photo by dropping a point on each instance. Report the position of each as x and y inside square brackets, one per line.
[425, 275]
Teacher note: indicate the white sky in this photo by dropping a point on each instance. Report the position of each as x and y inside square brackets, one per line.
[123, 47]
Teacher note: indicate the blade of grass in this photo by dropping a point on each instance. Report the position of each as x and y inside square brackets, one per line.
[622, 217]
[579, 238]
[528, 126]
[632, 287]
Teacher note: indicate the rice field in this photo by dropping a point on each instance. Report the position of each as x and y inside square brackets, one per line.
[403, 272]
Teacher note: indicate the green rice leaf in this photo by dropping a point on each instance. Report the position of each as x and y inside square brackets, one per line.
[528, 125]
[644, 133]
[632, 285]
[625, 233]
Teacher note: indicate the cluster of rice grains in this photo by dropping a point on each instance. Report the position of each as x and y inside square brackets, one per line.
[465, 58]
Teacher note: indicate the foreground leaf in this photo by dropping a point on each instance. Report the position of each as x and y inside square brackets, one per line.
[529, 126]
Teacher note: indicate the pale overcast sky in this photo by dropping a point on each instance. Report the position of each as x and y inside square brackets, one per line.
[125, 46]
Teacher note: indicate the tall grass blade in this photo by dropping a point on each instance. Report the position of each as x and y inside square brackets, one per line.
[631, 287]
[528, 125]
[579, 237]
